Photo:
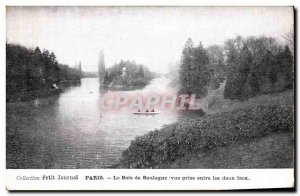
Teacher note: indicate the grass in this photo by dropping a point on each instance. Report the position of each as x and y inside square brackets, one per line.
[215, 102]
[272, 151]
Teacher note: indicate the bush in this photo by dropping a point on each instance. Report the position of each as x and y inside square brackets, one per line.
[160, 148]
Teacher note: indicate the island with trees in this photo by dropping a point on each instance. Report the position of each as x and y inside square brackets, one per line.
[125, 75]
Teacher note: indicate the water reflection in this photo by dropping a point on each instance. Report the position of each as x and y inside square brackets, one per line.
[71, 131]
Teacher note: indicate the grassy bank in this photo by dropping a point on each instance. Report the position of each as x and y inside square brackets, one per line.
[161, 148]
[272, 151]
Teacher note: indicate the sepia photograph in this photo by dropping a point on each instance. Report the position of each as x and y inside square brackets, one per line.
[150, 87]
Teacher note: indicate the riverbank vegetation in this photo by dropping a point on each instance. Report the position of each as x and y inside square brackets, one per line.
[34, 73]
[160, 148]
[253, 79]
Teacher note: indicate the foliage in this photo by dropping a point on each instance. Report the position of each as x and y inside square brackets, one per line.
[31, 70]
[255, 66]
[290, 40]
[194, 73]
[101, 68]
[136, 75]
[217, 64]
[160, 148]
[250, 66]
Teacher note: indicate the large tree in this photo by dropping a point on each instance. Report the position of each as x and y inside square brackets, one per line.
[194, 72]
[101, 67]
[185, 68]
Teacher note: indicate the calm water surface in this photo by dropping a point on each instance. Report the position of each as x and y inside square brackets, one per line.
[71, 131]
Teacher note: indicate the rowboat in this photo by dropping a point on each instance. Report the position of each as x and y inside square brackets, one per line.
[146, 113]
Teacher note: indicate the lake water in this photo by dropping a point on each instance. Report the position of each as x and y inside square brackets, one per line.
[71, 131]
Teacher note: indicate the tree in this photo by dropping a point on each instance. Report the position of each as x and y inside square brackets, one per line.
[216, 54]
[34, 72]
[140, 72]
[285, 64]
[101, 67]
[238, 75]
[194, 74]
[106, 78]
[202, 73]
[290, 40]
[267, 73]
[80, 69]
[185, 68]
[217, 64]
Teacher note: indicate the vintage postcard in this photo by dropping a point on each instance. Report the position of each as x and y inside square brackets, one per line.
[149, 98]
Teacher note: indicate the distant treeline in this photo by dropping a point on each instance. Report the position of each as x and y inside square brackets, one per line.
[127, 74]
[87, 74]
[29, 70]
[250, 66]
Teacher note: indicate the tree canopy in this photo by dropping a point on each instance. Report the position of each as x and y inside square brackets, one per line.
[136, 75]
[194, 71]
[30, 70]
[250, 66]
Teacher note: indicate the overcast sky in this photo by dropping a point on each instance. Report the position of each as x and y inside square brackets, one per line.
[153, 36]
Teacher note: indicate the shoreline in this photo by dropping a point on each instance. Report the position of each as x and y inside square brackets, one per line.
[121, 87]
[41, 93]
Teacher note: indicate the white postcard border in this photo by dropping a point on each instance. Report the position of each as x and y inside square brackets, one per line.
[189, 179]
